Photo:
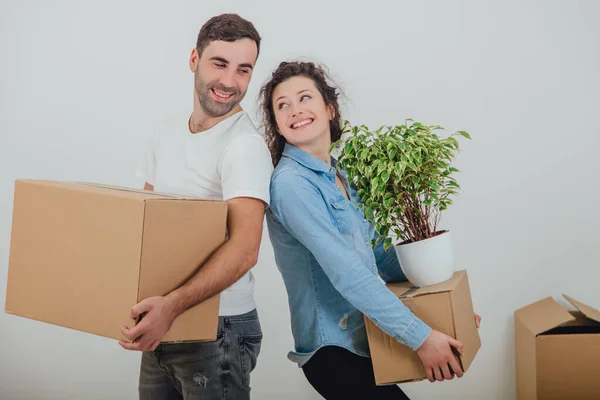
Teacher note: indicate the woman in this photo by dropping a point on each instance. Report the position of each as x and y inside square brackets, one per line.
[322, 248]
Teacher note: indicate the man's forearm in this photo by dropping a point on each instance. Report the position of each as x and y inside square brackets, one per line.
[228, 264]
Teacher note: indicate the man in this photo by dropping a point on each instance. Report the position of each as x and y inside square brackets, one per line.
[216, 153]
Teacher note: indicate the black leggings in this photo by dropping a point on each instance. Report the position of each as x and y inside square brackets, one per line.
[337, 373]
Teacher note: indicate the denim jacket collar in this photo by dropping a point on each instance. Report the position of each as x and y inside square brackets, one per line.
[301, 157]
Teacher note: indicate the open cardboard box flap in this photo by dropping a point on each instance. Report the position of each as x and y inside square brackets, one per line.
[586, 310]
[546, 314]
[406, 290]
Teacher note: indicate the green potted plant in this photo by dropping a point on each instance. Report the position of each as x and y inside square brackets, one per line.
[404, 177]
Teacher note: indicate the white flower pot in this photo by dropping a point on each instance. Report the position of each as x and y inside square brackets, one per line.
[427, 262]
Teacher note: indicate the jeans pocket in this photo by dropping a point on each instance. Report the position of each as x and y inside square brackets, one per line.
[249, 351]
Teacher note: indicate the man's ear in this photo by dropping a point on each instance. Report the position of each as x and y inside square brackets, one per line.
[194, 60]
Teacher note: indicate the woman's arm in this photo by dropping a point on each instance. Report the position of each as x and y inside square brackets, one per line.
[298, 205]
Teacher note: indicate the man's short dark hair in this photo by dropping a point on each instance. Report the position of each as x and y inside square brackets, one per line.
[228, 28]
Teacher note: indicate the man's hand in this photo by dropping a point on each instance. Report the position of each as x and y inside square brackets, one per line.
[438, 358]
[158, 316]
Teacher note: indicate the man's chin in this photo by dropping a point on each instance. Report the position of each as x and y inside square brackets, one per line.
[217, 110]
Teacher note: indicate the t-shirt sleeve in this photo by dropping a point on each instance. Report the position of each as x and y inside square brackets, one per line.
[146, 166]
[246, 169]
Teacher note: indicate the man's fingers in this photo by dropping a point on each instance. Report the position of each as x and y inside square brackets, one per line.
[140, 308]
[139, 330]
[154, 345]
[129, 346]
[438, 374]
[127, 332]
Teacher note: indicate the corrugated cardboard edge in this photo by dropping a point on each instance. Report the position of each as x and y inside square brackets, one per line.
[586, 310]
[525, 362]
[465, 328]
[137, 296]
[446, 286]
[8, 273]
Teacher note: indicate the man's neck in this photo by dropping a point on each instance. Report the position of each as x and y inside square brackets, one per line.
[200, 121]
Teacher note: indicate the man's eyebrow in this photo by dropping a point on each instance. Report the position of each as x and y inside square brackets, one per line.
[221, 59]
[224, 61]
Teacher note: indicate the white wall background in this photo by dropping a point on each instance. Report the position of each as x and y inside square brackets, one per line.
[83, 83]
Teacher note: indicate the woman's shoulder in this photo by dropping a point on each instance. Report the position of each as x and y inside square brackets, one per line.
[291, 178]
[288, 171]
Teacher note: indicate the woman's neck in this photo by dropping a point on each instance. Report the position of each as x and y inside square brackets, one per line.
[318, 148]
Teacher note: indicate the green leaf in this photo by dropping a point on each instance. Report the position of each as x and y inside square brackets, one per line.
[387, 244]
[385, 176]
[393, 154]
[388, 202]
[416, 180]
[465, 134]
[348, 147]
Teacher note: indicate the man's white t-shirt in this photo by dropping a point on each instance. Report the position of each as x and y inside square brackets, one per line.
[229, 160]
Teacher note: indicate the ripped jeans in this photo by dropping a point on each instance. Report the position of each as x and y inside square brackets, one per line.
[205, 370]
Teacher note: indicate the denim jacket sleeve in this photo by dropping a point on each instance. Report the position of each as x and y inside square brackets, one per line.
[299, 206]
[388, 264]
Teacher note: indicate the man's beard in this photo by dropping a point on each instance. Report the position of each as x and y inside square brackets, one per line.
[212, 108]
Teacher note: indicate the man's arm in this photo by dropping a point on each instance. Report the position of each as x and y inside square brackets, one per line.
[231, 261]
[228, 264]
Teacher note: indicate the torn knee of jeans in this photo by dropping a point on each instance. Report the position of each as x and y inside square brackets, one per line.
[344, 322]
[200, 380]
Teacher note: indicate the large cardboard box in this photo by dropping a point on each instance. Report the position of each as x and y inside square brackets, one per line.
[81, 255]
[557, 352]
[446, 307]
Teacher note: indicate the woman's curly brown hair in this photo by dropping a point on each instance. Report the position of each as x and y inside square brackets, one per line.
[285, 71]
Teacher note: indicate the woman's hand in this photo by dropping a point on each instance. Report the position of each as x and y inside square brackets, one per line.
[437, 356]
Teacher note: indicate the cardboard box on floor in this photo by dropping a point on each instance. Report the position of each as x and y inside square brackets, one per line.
[557, 352]
[81, 255]
[446, 307]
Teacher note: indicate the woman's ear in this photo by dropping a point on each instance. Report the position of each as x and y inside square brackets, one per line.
[331, 112]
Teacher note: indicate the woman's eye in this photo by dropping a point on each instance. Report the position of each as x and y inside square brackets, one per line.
[281, 105]
[304, 97]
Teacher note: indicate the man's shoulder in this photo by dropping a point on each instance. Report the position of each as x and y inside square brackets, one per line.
[243, 125]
